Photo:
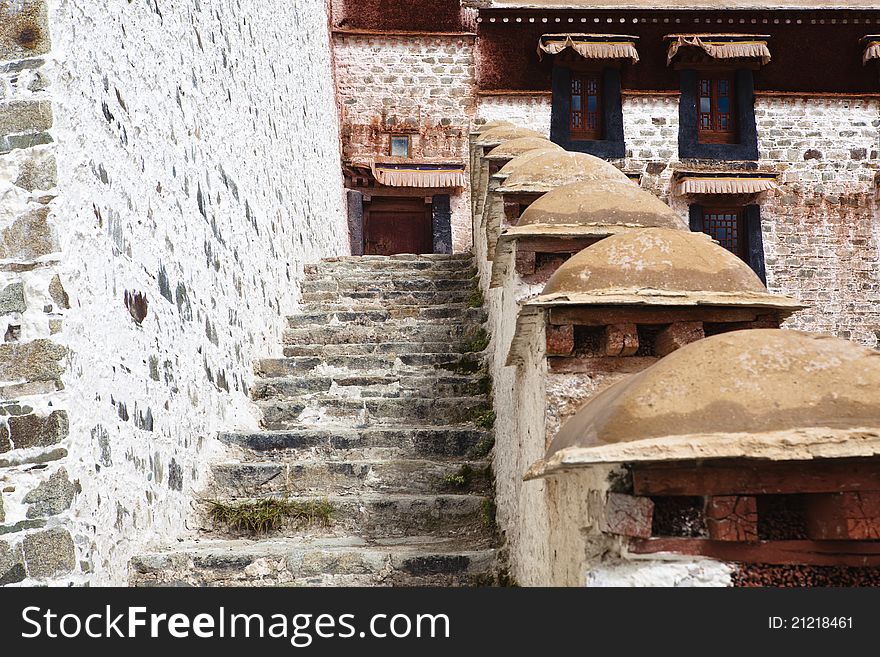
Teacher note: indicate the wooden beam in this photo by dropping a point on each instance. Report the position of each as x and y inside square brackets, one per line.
[677, 335]
[732, 518]
[605, 315]
[740, 477]
[560, 340]
[814, 553]
[842, 516]
[604, 364]
[619, 340]
[569, 245]
[626, 515]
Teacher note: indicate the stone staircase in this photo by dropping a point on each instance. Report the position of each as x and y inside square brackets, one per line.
[373, 466]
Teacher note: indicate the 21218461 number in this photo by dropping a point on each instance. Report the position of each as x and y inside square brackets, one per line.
[810, 623]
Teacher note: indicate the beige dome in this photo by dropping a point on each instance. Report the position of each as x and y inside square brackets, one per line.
[761, 393]
[489, 125]
[601, 203]
[503, 133]
[658, 266]
[511, 149]
[551, 170]
[520, 160]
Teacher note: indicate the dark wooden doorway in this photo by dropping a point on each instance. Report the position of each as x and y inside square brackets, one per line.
[398, 225]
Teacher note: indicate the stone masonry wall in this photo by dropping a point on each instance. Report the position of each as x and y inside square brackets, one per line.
[36, 487]
[820, 232]
[197, 173]
[417, 85]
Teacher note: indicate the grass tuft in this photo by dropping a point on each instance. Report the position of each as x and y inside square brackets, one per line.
[266, 515]
[485, 420]
[475, 300]
[478, 341]
[461, 479]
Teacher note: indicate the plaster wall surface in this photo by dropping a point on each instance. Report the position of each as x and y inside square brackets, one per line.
[198, 170]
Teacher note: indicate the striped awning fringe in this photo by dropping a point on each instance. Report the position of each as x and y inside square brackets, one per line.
[724, 185]
[419, 175]
[590, 46]
[721, 46]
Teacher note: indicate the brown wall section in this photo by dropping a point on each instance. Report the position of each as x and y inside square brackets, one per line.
[820, 58]
[404, 15]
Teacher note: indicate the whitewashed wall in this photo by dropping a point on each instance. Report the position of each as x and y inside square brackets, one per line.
[198, 164]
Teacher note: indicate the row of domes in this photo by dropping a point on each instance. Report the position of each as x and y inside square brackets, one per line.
[770, 393]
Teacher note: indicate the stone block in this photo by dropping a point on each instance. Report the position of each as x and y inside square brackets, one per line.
[11, 564]
[52, 496]
[12, 299]
[732, 518]
[621, 340]
[33, 430]
[627, 515]
[24, 29]
[17, 116]
[28, 237]
[38, 171]
[560, 340]
[49, 553]
[676, 336]
[9, 143]
[38, 360]
[58, 294]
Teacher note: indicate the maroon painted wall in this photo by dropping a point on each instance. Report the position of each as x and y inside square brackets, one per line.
[415, 15]
[822, 58]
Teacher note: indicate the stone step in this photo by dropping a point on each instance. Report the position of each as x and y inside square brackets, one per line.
[364, 412]
[327, 351]
[384, 284]
[360, 386]
[380, 333]
[384, 362]
[414, 561]
[441, 442]
[321, 477]
[402, 315]
[397, 310]
[388, 297]
[380, 515]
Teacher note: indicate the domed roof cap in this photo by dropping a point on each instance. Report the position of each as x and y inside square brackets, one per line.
[601, 203]
[658, 266]
[511, 149]
[548, 171]
[520, 160]
[503, 133]
[489, 125]
[759, 393]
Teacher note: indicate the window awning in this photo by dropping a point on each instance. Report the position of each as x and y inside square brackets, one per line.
[591, 46]
[721, 46]
[745, 183]
[418, 174]
[872, 47]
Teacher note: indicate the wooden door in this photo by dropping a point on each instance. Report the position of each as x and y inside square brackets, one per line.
[401, 225]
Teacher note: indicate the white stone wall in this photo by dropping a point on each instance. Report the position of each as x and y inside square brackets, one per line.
[526, 111]
[198, 165]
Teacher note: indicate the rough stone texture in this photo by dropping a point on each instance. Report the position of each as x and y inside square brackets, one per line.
[421, 86]
[52, 496]
[38, 360]
[24, 31]
[49, 553]
[25, 116]
[11, 564]
[29, 236]
[216, 206]
[12, 299]
[531, 111]
[33, 430]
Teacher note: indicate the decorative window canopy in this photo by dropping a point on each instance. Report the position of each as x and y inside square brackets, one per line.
[404, 172]
[871, 43]
[591, 46]
[745, 182]
[418, 174]
[721, 46]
